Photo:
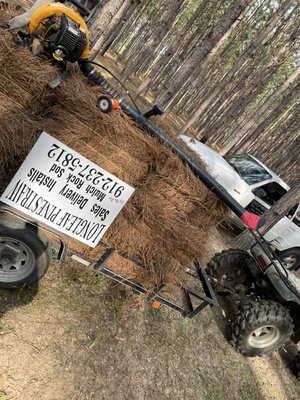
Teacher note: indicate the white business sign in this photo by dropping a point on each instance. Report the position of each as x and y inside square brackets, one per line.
[63, 189]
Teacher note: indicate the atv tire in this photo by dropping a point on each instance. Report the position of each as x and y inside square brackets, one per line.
[260, 328]
[229, 270]
[24, 253]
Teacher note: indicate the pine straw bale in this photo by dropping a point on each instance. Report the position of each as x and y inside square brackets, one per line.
[23, 100]
[77, 98]
[19, 130]
[161, 233]
[93, 145]
[167, 221]
[26, 80]
[25, 3]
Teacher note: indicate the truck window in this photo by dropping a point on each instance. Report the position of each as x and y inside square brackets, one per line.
[248, 169]
[270, 193]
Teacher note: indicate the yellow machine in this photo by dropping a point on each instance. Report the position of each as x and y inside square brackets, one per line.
[59, 32]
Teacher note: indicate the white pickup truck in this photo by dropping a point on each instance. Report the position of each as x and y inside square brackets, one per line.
[256, 188]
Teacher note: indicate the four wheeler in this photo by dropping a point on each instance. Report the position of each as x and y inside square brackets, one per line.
[266, 294]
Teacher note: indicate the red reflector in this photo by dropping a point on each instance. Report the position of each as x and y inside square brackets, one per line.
[262, 261]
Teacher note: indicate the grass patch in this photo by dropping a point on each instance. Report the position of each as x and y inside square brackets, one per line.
[115, 306]
[70, 329]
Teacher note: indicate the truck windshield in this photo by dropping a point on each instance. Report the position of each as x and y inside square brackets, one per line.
[248, 169]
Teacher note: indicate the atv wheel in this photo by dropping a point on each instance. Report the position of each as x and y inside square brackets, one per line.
[296, 366]
[260, 328]
[24, 253]
[229, 270]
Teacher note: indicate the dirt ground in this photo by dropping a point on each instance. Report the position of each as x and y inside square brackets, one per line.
[75, 336]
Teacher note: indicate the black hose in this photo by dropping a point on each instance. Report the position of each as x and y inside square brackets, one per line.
[117, 79]
[98, 79]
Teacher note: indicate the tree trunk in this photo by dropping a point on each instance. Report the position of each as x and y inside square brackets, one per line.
[260, 112]
[261, 124]
[244, 58]
[149, 48]
[281, 208]
[105, 22]
[115, 28]
[205, 46]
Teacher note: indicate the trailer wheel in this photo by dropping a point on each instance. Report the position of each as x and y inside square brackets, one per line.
[24, 253]
[229, 270]
[296, 366]
[260, 328]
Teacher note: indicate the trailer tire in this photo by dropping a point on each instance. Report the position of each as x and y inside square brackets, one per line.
[24, 253]
[260, 328]
[229, 270]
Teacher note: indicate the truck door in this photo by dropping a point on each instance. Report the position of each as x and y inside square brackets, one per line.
[286, 232]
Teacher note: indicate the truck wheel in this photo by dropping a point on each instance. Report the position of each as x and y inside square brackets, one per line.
[24, 253]
[260, 328]
[296, 366]
[229, 270]
[290, 258]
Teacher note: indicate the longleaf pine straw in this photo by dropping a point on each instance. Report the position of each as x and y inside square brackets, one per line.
[168, 221]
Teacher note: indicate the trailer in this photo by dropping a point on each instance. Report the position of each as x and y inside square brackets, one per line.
[195, 294]
[33, 230]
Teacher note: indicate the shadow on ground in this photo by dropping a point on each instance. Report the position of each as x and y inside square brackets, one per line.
[15, 298]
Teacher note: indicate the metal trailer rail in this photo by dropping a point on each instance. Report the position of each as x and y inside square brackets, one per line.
[189, 295]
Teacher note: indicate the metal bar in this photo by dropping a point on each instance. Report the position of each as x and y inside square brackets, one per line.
[197, 310]
[187, 301]
[189, 311]
[207, 286]
[124, 255]
[98, 264]
[133, 259]
[201, 297]
[157, 290]
[199, 171]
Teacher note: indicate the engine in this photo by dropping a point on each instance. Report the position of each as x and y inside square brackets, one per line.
[59, 33]
[63, 39]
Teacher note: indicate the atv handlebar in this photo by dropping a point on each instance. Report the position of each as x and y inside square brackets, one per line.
[253, 221]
